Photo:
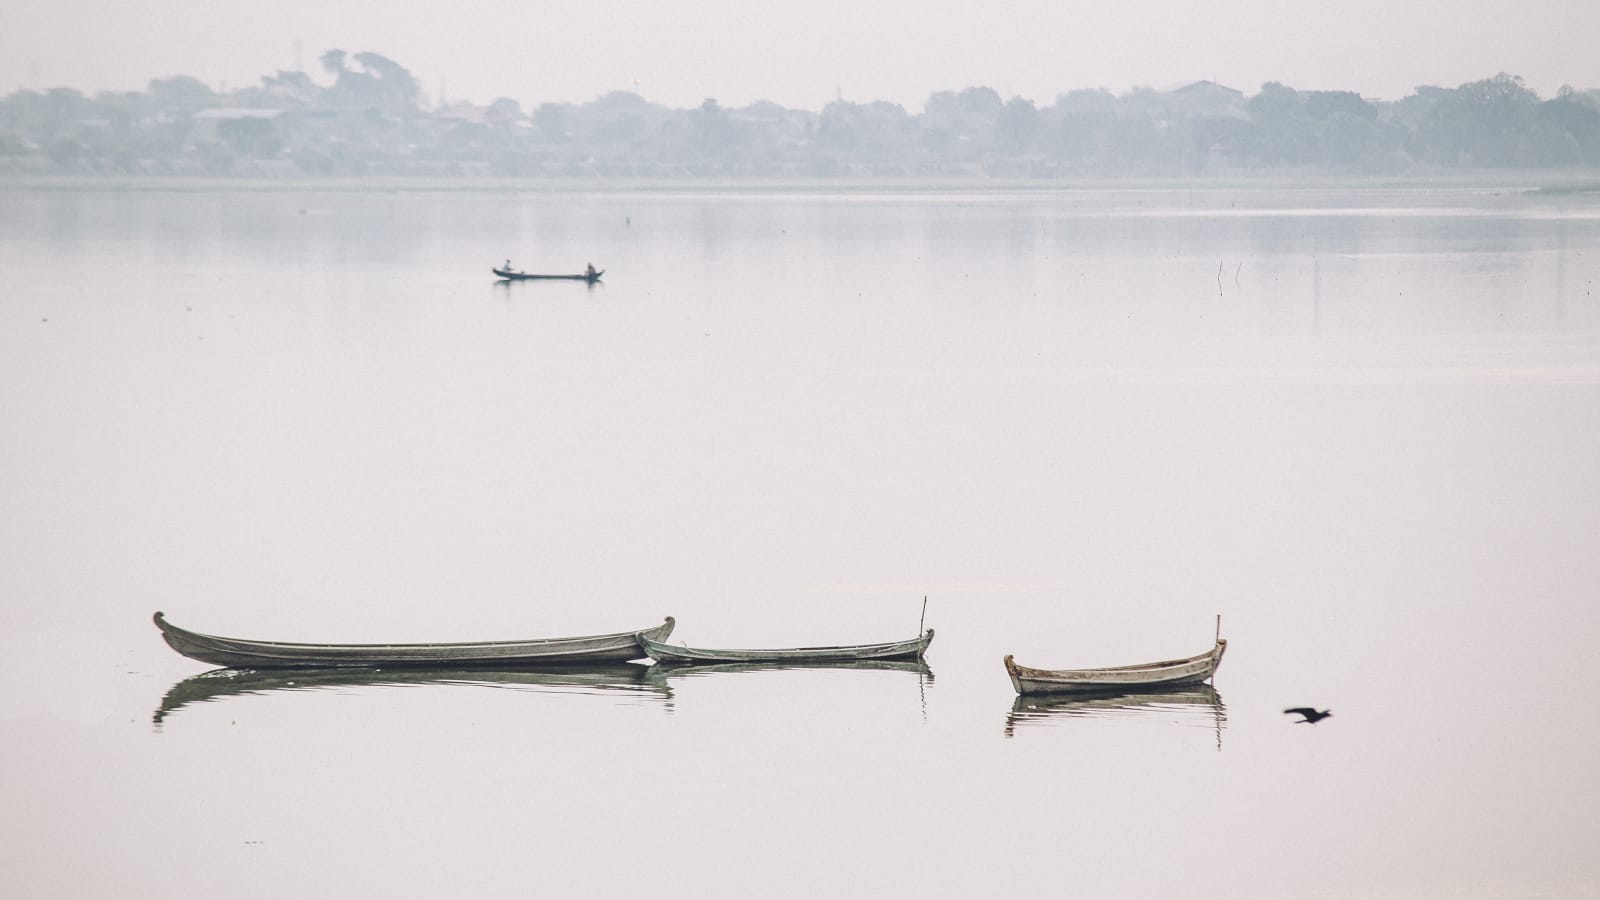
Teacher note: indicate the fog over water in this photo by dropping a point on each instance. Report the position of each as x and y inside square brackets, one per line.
[1359, 424]
[805, 54]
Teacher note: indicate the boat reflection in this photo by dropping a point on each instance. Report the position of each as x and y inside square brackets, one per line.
[662, 673]
[612, 679]
[1200, 705]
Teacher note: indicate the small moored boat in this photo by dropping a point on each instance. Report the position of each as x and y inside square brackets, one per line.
[240, 653]
[674, 655]
[510, 275]
[1141, 677]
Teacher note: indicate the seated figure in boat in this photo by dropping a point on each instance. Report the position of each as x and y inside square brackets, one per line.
[589, 271]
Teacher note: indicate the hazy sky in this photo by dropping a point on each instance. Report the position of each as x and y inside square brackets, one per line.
[803, 54]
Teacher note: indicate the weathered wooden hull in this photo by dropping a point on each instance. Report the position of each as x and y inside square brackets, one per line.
[673, 655]
[1141, 677]
[526, 276]
[240, 653]
[662, 673]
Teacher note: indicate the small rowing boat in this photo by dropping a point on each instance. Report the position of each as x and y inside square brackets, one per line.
[241, 653]
[509, 275]
[675, 655]
[1114, 679]
[1144, 676]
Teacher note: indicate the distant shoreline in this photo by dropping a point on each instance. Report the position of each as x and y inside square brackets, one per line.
[1539, 183]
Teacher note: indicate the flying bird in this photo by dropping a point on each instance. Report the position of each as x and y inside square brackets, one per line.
[1310, 714]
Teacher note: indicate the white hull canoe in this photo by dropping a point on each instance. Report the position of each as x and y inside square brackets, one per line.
[239, 653]
[1142, 677]
[674, 655]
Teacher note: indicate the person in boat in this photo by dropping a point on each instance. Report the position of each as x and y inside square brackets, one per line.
[508, 266]
[589, 271]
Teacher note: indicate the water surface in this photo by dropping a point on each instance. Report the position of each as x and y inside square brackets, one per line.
[1361, 425]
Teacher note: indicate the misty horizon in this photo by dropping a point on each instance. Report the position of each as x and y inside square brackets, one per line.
[368, 114]
[441, 98]
[804, 55]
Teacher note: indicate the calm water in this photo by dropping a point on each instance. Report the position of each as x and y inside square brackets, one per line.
[1361, 425]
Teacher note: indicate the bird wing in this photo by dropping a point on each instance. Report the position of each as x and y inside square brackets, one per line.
[1306, 711]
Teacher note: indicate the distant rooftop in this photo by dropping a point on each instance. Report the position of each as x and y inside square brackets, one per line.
[225, 113]
[1209, 88]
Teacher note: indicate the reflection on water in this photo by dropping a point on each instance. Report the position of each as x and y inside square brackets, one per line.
[650, 683]
[1198, 706]
[787, 406]
[605, 680]
[661, 674]
[507, 286]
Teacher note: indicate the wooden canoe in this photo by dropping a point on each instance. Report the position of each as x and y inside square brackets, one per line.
[1144, 676]
[509, 275]
[240, 653]
[699, 670]
[675, 655]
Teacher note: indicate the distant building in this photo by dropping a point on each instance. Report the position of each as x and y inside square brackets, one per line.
[462, 113]
[471, 114]
[209, 121]
[1208, 89]
[1208, 97]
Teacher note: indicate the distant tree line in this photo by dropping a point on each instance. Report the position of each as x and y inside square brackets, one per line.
[367, 116]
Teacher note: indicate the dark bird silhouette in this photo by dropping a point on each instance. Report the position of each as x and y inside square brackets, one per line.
[1310, 714]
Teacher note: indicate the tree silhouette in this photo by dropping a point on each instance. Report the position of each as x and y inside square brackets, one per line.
[366, 116]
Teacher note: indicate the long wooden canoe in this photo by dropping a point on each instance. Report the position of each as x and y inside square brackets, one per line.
[509, 275]
[1144, 676]
[664, 673]
[240, 653]
[675, 655]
